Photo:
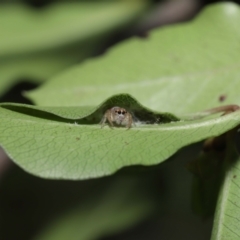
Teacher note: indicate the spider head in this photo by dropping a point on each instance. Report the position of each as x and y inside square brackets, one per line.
[118, 114]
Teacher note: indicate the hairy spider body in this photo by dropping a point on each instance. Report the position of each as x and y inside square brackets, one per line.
[119, 116]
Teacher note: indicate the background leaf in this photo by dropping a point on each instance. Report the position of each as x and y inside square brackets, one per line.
[48, 40]
[120, 206]
[181, 76]
[36, 207]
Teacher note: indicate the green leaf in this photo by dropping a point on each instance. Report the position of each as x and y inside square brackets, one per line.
[49, 40]
[164, 77]
[182, 68]
[226, 220]
[67, 143]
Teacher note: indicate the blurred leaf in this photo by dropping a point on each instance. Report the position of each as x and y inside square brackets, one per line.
[119, 207]
[60, 24]
[48, 40]
[31, 205]
[38, 67]
[208, 171]
[51, 146]
[182, 68]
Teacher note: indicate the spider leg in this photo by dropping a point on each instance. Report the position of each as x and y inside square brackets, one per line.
[130, 121]
[104, 119]
[109, 118]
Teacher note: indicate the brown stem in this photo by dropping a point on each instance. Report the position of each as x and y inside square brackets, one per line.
[225, 109]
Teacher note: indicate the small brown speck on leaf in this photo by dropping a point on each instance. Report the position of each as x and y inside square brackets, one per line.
[234, 176]
[78, 138]
[222, 98]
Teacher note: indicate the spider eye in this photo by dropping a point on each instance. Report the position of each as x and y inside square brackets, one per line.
[123, 112]
[116, 111]
[119, 112]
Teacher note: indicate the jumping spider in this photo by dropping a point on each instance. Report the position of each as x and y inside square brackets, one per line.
[119, 116]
